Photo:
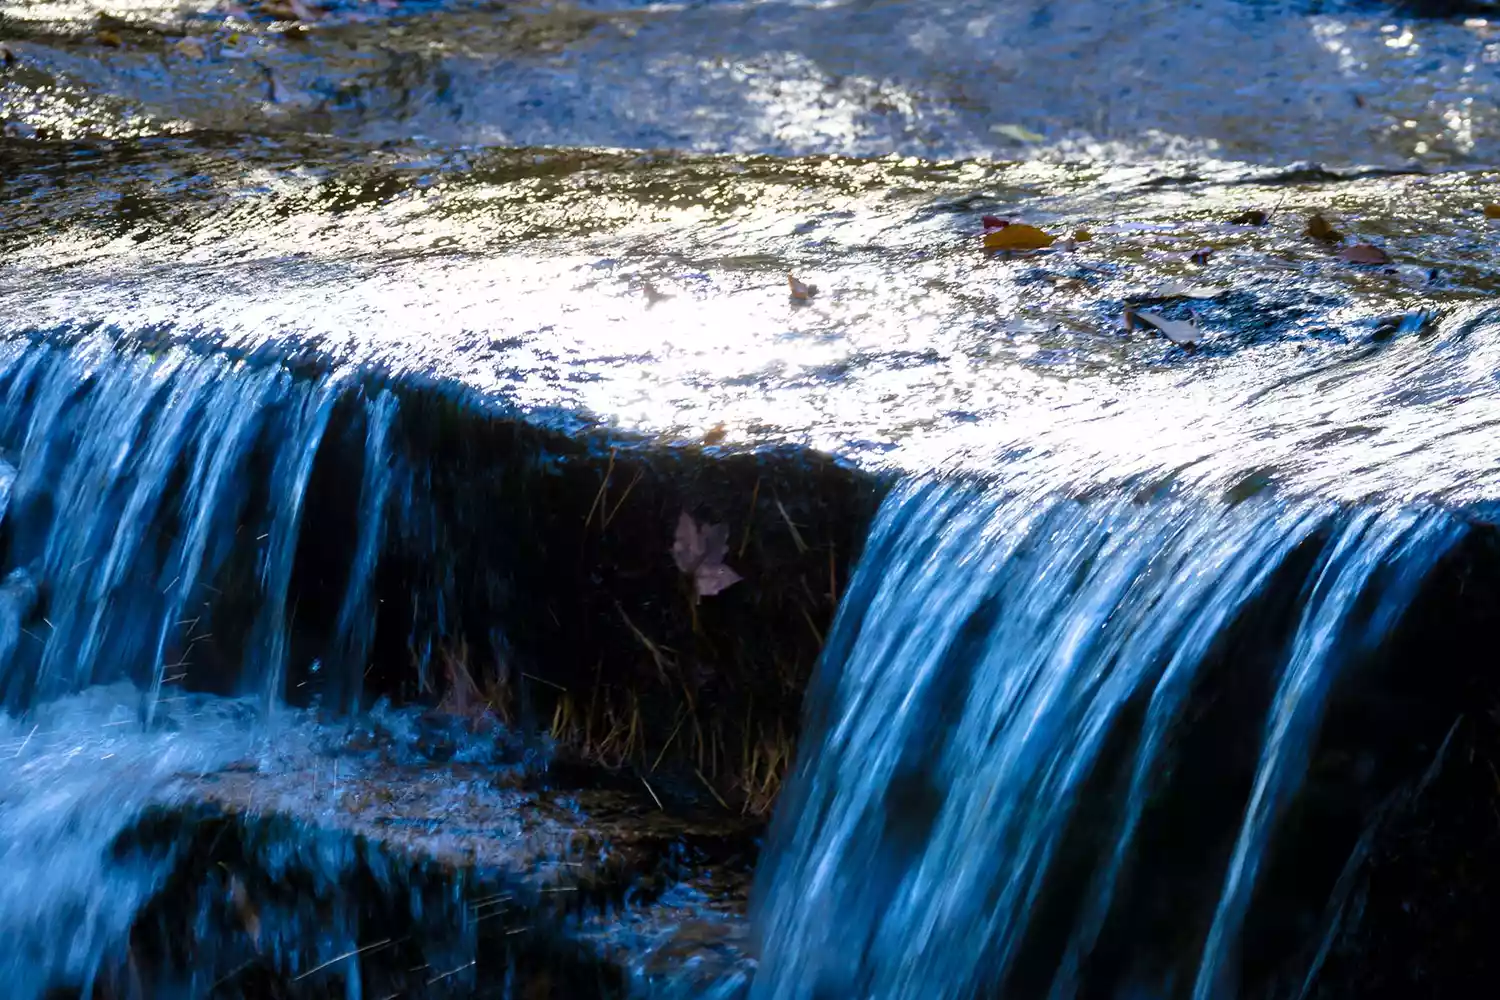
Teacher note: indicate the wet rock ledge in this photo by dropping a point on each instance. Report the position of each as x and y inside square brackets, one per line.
[356, 864]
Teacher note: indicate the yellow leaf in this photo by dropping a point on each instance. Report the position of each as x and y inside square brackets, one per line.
[1017, 236]
[110, 38]
[1082, 236]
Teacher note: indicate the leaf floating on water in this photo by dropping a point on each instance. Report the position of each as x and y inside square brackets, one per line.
[1019, 133]
[1018, 236]
[715, 434]
[801, 291]
[1364, 253]
[1492, 211]
[7, 57]
[190, 47]
[1251, 217]
[1319, 229]
[1183, 333]
[109, 38]
[1082, 236]
[993, 222]
[699, 550]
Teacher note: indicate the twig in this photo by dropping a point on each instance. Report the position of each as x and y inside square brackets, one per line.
[621, 502]
[711, 789]
[796, 535]
[653, 794]
[603, 487]
[347, 954]
[750, 517]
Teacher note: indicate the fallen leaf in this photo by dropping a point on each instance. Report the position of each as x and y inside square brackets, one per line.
[1364, 253]
[7, 57]
[1017, 236]
[801, 291]
[190, 47]
[993, 222]
[699, 550]
[1492, 211]
[715, 434]
[1183, 333]
[1082, 236]
[1251, 217]
[1319, 229]
[109, 38]
[1019, 133]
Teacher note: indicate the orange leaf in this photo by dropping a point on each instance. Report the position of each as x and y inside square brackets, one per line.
[1017, 236]
[801, 291]
[1492, 211]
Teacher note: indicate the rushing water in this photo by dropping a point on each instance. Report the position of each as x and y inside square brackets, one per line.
[217, 224]
[995, 657]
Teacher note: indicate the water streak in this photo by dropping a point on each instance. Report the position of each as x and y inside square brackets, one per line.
[991, 653]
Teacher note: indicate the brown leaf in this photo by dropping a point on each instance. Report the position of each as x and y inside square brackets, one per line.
[1017, 236]
[1251, 217]
[7, 57]
[1082, 236]
[715, 434]
[1492, 211]
[109, 38]
[1364, 253]
[698, 550]
[993, 222]
[1183, 333]
[801, 291]
[190, 47]
[1319, 229]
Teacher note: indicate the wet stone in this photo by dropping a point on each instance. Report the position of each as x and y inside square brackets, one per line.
[490, 858]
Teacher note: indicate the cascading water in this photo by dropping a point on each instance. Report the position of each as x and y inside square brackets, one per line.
[152, 501]
[1008, 677]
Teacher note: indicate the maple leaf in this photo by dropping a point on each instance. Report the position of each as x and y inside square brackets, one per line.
[699, 550]
[1017, 236]
[1364, 253]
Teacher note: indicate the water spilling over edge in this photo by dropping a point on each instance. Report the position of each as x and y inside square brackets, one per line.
[1003, 666]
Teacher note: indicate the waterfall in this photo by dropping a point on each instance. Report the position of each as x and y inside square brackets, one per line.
[157, 500]
[994, 725]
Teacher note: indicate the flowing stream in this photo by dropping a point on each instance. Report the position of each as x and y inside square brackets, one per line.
[300, 313]
[995, 657]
